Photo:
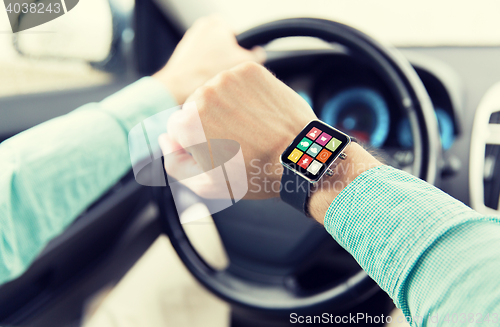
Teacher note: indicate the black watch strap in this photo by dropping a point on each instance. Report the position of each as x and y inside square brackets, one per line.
[295, 190]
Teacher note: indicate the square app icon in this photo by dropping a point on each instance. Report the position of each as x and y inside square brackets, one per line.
[313, 133]
[324, 155]
[304, 144]
[323, 139]
[314, 167]
[333, 144]
[295, 155]
[305, 161]
[314, 150]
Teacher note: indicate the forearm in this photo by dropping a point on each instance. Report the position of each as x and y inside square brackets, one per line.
[456, 279]
[399, 228]
[51, 173]
[358, 161]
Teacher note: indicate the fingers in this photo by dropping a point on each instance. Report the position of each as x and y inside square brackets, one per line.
[167, 144]
[180, 165]
[178, 162]
[259, 54]
[217, 23]
[185, 126]
[212, 20]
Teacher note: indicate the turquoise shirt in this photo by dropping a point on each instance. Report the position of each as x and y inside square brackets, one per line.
[438, 259]
[51, 173]
[429, 252]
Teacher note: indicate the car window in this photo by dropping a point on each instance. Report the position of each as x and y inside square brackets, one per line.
[24, 74]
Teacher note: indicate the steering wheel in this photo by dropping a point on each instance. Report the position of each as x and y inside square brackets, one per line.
[250, 290]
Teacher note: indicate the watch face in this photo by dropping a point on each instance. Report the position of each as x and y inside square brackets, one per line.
[314, 150]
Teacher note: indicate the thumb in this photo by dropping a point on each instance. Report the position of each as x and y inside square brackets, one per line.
[178, 162]
[167, 144]
[259, 54]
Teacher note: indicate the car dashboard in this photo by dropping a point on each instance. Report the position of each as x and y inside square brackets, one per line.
[347, 94]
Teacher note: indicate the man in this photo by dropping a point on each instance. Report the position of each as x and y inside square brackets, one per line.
[432, 254]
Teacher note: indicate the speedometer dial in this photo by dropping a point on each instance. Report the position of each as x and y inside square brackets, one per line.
[361, 112]
[446, 130]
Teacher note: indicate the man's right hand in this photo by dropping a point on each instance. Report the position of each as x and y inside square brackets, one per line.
[249, 105]
[246, 104]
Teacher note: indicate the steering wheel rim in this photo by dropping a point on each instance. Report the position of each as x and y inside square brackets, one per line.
[412, 97]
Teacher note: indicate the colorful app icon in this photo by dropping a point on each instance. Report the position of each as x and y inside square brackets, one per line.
[304, 144]
[314, 167]
[295, 155]
[323, 139]
[305, 161]
[333, 144]
[314, 150]
[313, 133]
[324, 155]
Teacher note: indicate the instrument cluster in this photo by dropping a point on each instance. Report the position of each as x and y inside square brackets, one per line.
[351, 97]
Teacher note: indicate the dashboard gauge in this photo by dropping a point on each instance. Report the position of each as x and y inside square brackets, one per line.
[361, 112]
[446, 130]
[405, 138]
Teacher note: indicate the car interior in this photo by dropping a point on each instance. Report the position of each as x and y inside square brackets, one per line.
[432, 110]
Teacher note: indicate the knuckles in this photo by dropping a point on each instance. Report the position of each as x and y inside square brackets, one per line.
[249, 69]
[237, 74]
[210, 92]
[229, 79]
[206, 94]
[228, 83]
[225, 79]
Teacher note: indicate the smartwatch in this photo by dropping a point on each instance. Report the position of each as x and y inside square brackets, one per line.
[308, 158]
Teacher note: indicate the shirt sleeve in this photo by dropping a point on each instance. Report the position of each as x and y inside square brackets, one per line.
[52, 172]
[437, 258]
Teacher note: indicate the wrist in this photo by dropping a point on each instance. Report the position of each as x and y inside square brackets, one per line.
[175, 84]
[358, 161]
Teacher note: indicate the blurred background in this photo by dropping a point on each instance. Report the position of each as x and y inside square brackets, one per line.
[56, 54]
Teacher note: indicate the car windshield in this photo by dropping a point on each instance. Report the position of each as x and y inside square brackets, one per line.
[401, 23]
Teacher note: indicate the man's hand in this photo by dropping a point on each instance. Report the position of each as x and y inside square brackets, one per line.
[246, 104]
[249, 105]
[208, 48]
